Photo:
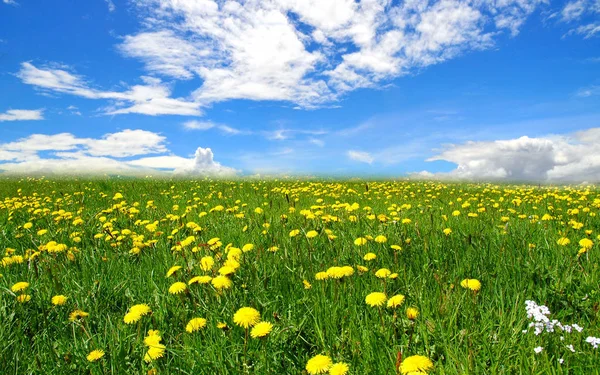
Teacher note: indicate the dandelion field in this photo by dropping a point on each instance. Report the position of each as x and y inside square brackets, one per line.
[133, 276]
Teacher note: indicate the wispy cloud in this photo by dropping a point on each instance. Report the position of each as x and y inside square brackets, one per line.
[151, 98]
[361, 156]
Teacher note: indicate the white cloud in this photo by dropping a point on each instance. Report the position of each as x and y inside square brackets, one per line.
[589, 91]
[258, 49]
[151, 98]
[68, 154]
[22, 115]
[577, 9]
[573, 157]
[10, 2]
[198, 125]
[573, 10]
[317, 142]
[111, 5]
[361, 156]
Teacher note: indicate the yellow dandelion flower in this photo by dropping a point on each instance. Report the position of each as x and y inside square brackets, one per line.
[339, 368]
[586, 243]
[247, 247]
[381, 239]
[226, 270]
[412, 313]
[376, 299]
[563, 241]
[200, 280]
[195, 325]
[22, 298]
[447, 231]
[20, 286]
[415, 364]
[312, 234]
[246, 317]
[59, 300]
[383, 273]
[369, 256]
[307, 285]
[395, 301]
[172, 270]
[77, 314]
[294, 233]
[207, 263]
[362, 269]
[360, 241]
[261, 329]
[318, 364]
[154, 352]
[321, 276]
[95, 355]
[221, 282]
[177, 288]
[472, 284]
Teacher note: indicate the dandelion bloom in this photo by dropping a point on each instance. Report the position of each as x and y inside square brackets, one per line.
[294, 233]
[200, 280]
[380, 239]
[472, 284]
[221, 282]
[206, 263]
[177, 288]
[312, 234]
[396, 247]
[261, 329]
[335, 272]
[246, 317]
[22, 298]
[412, 313]
[362, 269]
[59, 300]
[195, 325]
[95, 355]
[375, 299]
[172, 270]
[321, 276]
[415, 364]
[155, 348]
[339, 368]
[563, 241]
[247, 247]
[20, 286]
[318, 364]
[395, 301]
[77, 314]
[136, 312]
[447, 231]
[226, 270]
[383, 273]
[307, 285]
[348, 271]
[586, 243]
[360, 241]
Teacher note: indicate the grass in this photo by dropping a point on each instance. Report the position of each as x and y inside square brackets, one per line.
[508, 247]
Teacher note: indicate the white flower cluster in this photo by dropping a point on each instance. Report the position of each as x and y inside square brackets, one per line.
[594, 341]
[542, 323]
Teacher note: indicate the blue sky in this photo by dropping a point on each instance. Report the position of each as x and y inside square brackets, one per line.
[465, 89]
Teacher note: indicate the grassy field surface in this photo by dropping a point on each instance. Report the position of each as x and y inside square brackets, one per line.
[114, 276]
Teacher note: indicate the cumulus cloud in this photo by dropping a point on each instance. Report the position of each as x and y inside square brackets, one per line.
[573, 157]
[310, 52]
[22, 115]
[65, 153]
[361, 156]
[152, 98]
